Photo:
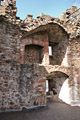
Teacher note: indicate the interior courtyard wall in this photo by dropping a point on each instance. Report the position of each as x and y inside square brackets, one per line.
[23, 84]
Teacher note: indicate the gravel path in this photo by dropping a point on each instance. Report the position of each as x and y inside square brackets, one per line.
[54, 111]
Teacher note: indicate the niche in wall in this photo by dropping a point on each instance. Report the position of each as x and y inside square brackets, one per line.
[53, 53]
[33, 54]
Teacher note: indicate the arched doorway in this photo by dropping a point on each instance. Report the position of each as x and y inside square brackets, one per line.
[55, 83]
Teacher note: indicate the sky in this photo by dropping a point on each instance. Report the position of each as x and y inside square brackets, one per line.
[53, 8]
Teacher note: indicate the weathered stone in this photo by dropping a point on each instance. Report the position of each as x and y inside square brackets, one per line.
[25, 62]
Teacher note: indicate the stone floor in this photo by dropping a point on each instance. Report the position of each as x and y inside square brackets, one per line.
[54, 111]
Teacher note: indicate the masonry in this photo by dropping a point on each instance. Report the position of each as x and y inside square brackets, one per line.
[36, 54]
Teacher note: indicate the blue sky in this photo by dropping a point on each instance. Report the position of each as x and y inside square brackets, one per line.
[49, 7]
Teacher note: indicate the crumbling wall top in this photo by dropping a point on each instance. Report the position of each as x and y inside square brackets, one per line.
[67, 20]
[8, 8]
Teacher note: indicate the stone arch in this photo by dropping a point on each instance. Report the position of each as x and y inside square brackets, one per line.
[51, 69]
[56, 81]
[59, 71]
[57, 38]
[45, 27]
[62, 69]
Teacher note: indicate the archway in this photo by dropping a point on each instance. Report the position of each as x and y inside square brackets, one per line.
[55, 83]
[53, 38]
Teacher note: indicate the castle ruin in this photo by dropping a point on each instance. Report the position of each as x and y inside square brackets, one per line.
[39, 58]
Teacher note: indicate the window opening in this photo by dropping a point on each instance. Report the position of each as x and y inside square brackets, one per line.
[47, 86]
[50, 50]
[1, 2]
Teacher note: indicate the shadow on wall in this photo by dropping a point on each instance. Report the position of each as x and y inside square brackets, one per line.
[58, 43]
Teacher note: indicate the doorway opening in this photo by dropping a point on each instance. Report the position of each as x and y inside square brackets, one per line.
[54, 84]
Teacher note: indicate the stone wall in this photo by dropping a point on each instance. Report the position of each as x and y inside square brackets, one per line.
[39, 40]
[59, 51]
[75, 70]
[2, 10]
[22, 73]
[9, 67]
[69, 20]
[32, 86]
[21, 85]
[33, 54]
[8, 8]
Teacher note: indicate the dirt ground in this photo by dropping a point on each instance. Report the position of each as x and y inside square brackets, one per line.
[54, 111]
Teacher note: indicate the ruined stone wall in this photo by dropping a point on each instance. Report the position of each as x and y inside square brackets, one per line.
[9, 68]
[21, 85]
[59, 52]
[68, 50]
[30, 23]
[69, 20]
[2, 9]
[72, 69]
[8, 8]
[40, 40]
[22, 77]
[32, 86]
[74, 61]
